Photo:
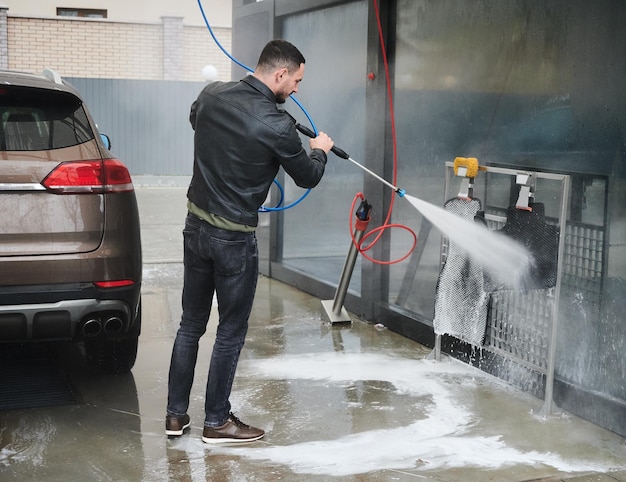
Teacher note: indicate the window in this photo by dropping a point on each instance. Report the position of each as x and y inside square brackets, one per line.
[82, 12]
[40, 119]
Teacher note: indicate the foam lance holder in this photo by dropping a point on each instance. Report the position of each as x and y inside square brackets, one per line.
[467, 168]
[526, 182]
[334, 312]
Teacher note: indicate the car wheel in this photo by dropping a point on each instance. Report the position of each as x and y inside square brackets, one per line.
[112, 356]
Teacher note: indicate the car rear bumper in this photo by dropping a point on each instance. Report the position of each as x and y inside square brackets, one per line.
[76, 314]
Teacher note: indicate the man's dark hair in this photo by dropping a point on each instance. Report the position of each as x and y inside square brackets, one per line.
[280, 53]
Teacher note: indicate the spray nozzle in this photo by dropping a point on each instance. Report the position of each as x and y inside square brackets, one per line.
[401, 192]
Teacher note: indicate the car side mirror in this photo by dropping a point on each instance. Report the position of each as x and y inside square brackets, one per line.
[106, 141]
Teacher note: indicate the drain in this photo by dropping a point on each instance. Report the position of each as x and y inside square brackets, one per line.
[30, 379]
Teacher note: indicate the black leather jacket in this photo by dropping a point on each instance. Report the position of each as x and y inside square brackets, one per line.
[241, 139]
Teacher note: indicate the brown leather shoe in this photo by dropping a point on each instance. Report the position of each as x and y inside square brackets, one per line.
[176, 426]
[233, 431]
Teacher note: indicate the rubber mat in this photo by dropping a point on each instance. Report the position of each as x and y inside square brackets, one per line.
[30, 379]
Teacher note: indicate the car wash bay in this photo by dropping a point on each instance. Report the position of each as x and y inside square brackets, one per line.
[343, 402]
[521, 85]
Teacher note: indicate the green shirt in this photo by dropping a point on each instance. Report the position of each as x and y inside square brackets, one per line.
[218, 221]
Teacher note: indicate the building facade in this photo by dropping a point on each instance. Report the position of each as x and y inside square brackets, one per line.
[149, 41]
[139, 66]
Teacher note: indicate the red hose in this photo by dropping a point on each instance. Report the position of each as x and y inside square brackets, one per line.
[378, 231]
[386, 225]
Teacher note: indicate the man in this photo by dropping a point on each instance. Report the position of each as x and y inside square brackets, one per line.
[241, 139]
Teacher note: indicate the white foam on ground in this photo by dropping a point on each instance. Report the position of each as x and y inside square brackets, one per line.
[29, 441]
[440, 440]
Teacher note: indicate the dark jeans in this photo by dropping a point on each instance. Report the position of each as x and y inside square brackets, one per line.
[224, 262]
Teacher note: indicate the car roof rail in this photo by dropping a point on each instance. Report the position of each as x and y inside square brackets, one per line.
[52, 75]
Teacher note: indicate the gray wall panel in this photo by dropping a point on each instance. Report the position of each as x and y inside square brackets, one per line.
[147, 121]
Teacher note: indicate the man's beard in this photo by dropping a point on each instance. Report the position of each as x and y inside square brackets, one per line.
[281, 97]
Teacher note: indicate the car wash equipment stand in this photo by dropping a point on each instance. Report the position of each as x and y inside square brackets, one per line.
[334, 312]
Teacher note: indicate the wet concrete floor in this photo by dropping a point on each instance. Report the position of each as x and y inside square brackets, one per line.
[352, 402]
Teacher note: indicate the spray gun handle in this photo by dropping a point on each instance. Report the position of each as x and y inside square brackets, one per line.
[308, 132]
[340, 152]
[305, 130]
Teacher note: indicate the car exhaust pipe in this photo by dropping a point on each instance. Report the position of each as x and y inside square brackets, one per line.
[92, 327]
[113, 325]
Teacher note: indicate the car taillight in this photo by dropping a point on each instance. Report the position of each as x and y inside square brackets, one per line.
[87, 177]
[114, 284]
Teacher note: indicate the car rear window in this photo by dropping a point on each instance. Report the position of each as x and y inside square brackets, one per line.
[40, 119]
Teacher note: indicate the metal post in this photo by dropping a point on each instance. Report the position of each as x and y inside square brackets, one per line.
[436, 353]
[548, 404]
[333, 309]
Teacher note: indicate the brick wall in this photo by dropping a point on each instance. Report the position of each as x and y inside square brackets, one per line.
[103, 49]
[199, 49]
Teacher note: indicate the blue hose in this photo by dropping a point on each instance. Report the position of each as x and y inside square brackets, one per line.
[218, 42]
[278, 206]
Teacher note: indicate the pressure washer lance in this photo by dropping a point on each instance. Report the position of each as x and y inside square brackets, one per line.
[344, 155]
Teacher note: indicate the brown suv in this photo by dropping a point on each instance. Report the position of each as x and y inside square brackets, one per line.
[70, 249]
